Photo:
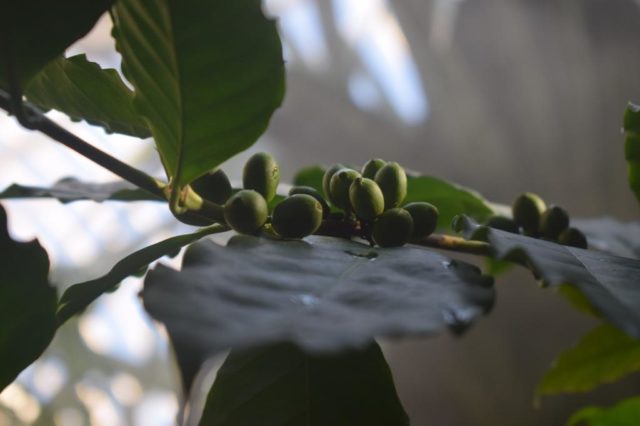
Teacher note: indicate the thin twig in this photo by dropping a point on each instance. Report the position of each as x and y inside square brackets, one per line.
[68, 139]
[453, 243]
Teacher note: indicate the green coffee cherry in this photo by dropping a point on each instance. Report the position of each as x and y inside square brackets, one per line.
[393, 228]
[573, 237]
[214, 186]
[425, 218]
[527, 210]
[553, 221]
[308, 190]
[297, 216]
[326, 181]
[503, 223]
[246, 211]
[366, 198]
[392, 180]
[340, 183]
[371, 167]
[262, 174]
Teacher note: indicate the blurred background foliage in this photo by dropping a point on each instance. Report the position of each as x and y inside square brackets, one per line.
[503, 96]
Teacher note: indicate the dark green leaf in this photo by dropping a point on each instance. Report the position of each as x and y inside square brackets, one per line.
[78, 296]
[27, 304]
[70, 189]
[632, 146]
[609, 282]
[84, 91]
[324, 294]
[624, 413]
[611, 236]
[449, 198]
[281, 385]
[603, 355]
[207, 76]
[37, 31]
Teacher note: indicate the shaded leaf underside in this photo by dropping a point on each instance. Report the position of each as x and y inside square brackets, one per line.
[281, 385]
[207, 76]
[610, 283]
[27, 304]
[70, 189]
[323, 294]
[84, 91]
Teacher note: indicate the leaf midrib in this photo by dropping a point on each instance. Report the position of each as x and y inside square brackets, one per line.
[179, 97]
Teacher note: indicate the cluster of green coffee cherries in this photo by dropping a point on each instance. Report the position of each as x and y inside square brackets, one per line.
[368, 201]
[532, 217]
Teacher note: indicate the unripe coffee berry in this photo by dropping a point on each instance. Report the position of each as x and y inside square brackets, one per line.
[297, 216]
[246, 211]
[392, 180]
[573, 237]
[308, 190]
[262, 174]
[326, 181]
[214, 186]
[425, 218]
[371, 167]
[527, 210]
[393, 228]
[340, 183]
[553, 221]
[366, 198]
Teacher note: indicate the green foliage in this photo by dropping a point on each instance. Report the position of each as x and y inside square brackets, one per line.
[27, 304]
[64, 85]
[207, 76]
[603, 355]
[602, 278]
[624, 413]
[281, 385]
[35, 32]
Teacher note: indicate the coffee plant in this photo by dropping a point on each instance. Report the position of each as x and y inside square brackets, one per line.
[308, 281]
